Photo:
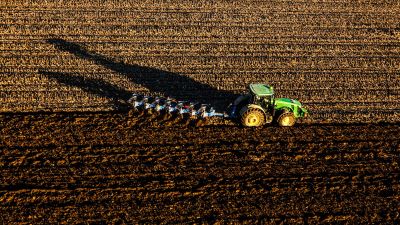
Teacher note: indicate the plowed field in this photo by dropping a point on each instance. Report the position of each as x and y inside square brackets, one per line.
[117, 168]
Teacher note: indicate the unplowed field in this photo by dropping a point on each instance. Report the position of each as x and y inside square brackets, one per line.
[340, 58]
[117, 168]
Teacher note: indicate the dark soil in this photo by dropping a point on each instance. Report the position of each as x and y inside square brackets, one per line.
[116, 168]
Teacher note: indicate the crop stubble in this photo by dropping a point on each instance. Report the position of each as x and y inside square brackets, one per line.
[341, 59]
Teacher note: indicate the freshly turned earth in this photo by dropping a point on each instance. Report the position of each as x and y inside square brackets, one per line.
[124, 168]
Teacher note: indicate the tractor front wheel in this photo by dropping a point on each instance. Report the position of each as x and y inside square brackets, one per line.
[286, 119]
[253, 118]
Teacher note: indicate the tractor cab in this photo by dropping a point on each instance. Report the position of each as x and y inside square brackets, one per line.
[262, 95]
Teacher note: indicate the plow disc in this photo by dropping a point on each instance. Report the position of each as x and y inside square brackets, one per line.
[170, 107]
[165, 110]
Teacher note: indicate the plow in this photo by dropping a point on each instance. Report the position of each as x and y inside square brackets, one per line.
[170, 106]
[253, 109]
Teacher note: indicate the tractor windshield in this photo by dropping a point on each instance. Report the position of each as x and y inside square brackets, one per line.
[266, 101]
[262, 95]
[263, 101]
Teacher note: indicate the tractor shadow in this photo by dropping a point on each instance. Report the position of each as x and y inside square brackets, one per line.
[155, 80]
[94, 86]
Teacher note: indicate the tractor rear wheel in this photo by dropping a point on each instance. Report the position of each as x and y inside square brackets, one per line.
[253, 118]
[286, 119]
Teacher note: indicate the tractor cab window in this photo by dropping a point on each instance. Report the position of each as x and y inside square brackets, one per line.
[266, 101]
[256, 99]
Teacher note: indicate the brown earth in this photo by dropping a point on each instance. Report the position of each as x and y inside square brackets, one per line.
[117, 168]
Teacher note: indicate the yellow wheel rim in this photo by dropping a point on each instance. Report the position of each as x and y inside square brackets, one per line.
[252, 120]
[286, 121]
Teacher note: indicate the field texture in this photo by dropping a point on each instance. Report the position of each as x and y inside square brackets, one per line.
[67, 156]
[341, 58]
[118, 168]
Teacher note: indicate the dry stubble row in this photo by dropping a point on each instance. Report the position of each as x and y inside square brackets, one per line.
[348, 56]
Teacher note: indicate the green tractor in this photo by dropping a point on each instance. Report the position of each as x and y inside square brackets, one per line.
[259, 107]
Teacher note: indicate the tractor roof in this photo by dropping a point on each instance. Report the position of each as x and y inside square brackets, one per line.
[261, 89]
